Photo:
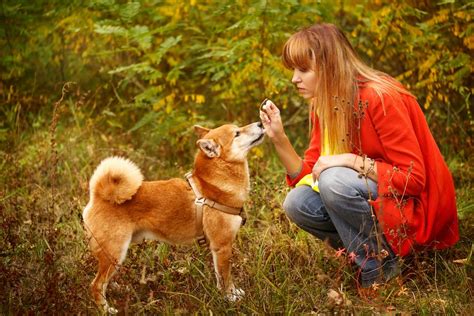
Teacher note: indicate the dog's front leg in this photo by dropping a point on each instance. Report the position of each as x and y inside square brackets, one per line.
[221, 257]
[221, 229]
[222, 265]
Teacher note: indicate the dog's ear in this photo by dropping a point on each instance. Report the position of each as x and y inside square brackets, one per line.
[209, 147]
[200, 131]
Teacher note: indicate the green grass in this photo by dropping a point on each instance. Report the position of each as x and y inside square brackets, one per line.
[45, 266]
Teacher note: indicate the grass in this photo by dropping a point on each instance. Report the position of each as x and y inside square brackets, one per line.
[45, 266]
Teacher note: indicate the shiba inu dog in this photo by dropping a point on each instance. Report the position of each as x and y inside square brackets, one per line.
[207, 204]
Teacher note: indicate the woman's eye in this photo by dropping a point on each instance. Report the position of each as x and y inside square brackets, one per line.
[237, 134]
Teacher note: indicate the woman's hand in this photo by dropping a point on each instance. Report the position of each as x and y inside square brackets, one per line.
[363, 165]
[324, 162]
[271, 119]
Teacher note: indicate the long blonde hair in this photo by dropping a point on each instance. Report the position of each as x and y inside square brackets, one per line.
[324, 49]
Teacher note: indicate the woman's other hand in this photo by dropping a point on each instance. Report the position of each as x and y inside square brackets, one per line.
[324, 162]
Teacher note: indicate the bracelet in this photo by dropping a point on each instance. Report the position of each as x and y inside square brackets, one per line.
[363, 172]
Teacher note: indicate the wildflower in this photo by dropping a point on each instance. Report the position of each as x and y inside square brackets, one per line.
[340, 252]
[403, 291]
[375, 286]
[351, 257]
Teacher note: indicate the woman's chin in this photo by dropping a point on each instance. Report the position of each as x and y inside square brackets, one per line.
[304, 93]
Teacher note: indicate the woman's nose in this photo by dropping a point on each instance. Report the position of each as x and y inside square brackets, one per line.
[296, 78]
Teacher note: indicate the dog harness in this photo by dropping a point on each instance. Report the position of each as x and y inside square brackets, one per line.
[201, 200]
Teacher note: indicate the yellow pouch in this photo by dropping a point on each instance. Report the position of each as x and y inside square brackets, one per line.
[308, 180]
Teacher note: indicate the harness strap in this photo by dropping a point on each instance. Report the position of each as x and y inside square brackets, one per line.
[201, 239]
[200, 201]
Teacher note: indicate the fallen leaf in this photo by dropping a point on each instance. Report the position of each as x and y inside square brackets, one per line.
[335, 297]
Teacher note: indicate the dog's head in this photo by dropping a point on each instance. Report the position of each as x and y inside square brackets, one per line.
[229, 142]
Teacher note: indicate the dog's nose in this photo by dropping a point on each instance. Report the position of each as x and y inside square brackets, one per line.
[260, 124]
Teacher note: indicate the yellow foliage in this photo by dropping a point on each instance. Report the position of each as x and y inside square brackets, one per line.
[257, 152]
[172, 60]
[170, 97]
[158, 105]
[469, 42]
[385, 11]
[427, 65]
[429, 98]
[200, 98]
[414, 30]
[441, 17]
[463, 15]
[167, 10]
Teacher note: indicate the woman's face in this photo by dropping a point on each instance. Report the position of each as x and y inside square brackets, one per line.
[305, 82]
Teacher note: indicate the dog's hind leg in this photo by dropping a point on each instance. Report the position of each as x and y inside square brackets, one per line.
[110, 256]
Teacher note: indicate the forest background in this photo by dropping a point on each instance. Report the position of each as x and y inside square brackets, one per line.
[83, 80]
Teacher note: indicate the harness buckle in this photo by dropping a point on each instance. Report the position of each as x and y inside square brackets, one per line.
[200, 201]
[202, 241]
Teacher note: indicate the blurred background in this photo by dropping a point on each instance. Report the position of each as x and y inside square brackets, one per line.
[156, 67]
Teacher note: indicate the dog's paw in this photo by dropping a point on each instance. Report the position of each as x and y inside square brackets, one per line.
[111, 310]
[114, 285]
[235, 295]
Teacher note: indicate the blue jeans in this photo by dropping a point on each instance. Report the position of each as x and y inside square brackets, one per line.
[341, 215]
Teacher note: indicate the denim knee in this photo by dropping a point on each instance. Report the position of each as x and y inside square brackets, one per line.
[333, 185]
[341, 183]
[293, 204]
[304, 207]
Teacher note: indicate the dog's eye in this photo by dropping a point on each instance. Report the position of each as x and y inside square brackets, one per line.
[237, 133]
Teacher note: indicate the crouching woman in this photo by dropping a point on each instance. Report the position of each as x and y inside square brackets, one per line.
[372, 181]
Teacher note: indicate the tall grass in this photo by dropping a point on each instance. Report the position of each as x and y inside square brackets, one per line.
[45, 266]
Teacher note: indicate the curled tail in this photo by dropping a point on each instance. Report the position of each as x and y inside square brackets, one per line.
[115, 180]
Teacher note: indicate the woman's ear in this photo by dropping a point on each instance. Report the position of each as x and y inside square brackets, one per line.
[200, 131]
[209, 147]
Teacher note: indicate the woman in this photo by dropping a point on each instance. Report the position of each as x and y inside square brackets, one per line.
[372, 181]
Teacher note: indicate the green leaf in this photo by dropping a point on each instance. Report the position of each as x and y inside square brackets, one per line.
[141, 34]
[135, 68]
[164, 47]
[110, 29]
[129, 10]
[446, 2]
[147, 119]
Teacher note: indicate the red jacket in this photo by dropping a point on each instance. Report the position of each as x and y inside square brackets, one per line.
[416, 205]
